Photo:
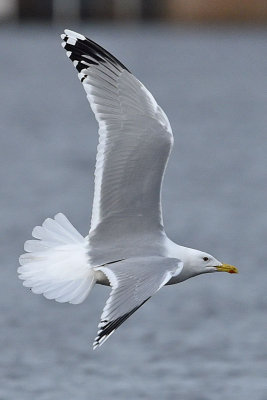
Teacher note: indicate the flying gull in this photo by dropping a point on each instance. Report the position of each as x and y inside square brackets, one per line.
[127, 247]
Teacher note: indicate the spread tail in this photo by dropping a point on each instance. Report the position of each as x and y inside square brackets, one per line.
[56, 264]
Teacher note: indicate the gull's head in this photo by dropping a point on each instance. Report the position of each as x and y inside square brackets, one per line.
[198, 262]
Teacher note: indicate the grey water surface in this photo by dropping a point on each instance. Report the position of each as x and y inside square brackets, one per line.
[204, 339]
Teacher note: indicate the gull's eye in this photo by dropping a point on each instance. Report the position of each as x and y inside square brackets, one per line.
[205, 258]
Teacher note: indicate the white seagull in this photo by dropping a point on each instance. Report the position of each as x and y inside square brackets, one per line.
[127, 247]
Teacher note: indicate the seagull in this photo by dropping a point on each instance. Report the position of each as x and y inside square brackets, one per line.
[127, 247]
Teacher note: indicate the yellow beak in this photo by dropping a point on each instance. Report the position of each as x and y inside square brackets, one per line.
[227, 268]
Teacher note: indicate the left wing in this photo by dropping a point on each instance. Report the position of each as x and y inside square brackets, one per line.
[133, 282]
[135, 141]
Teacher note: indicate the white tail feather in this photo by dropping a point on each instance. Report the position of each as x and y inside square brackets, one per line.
[56, 264]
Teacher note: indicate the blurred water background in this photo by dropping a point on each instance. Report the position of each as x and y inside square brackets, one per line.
[204, 339]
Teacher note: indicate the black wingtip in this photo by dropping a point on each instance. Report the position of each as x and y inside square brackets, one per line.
[84, 50]
[106, 328]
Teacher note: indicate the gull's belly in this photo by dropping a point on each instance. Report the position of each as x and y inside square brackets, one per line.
[162, 247]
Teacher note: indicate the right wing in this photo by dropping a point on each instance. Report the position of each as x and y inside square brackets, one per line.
[133, 282]
[134, 145]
